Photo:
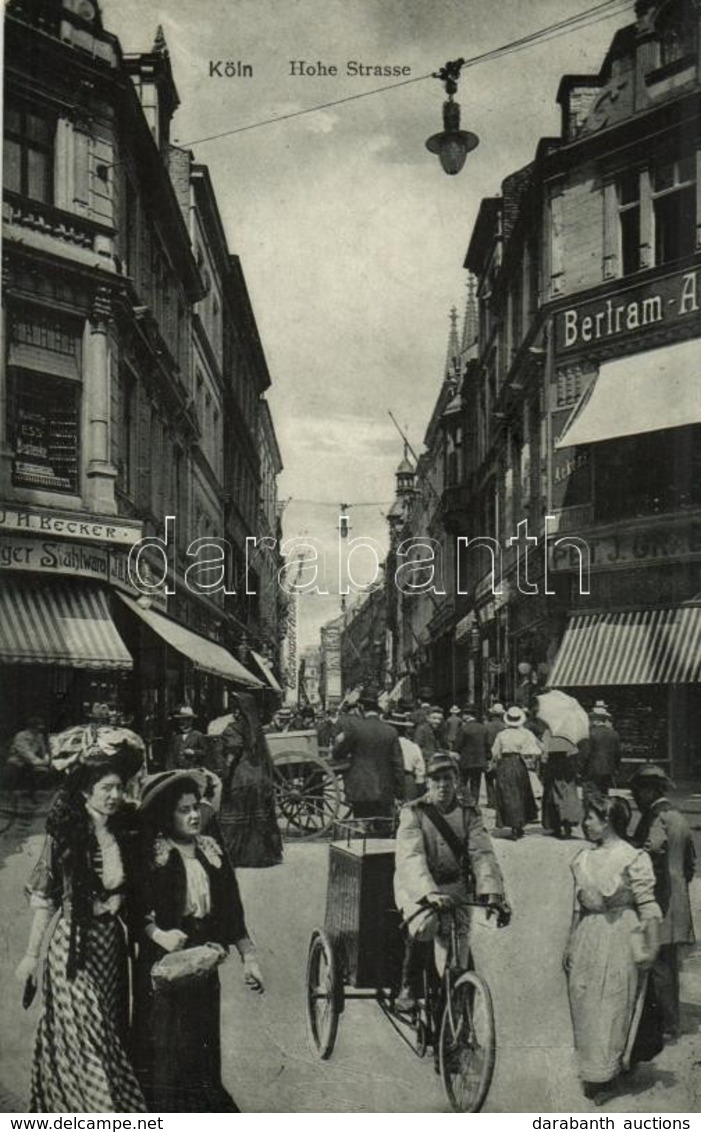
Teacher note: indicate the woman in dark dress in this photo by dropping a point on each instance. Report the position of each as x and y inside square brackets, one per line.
[562, 808]
[247, 818]
[189, 897]
[85, 873]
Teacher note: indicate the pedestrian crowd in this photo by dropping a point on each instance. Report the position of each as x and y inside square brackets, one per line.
[632, 913]
[137, 875]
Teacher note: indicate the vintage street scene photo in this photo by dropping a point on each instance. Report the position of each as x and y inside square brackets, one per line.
[350, 558]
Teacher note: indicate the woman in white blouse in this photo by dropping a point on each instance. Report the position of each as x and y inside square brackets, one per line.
[614, 940]
[80, 1061]
[189, 897]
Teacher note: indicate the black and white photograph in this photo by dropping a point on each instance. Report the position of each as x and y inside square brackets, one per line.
[350, 558]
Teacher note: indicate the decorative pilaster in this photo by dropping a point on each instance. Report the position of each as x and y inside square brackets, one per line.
[100, 472]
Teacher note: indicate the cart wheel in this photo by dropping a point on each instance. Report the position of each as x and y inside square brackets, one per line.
[466, 1046]
[307, 797]
[324, 994]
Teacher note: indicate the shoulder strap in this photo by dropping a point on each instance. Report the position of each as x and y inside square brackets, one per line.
[456, 845]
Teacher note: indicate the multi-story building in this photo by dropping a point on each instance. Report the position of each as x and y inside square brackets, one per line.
[130, 353]
[582, 407]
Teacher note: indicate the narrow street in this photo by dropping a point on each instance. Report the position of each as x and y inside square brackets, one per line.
[267, 1063]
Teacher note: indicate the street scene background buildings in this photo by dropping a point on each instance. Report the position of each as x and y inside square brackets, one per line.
[216, 329]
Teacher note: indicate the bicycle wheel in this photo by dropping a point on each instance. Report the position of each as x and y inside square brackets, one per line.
[466, 1044]
[324, 994]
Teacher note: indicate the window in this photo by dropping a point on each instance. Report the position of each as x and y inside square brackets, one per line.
[629, 214]
[673, 184]
[44, 431]
[649, 474]
[677, 35]
[28, 152]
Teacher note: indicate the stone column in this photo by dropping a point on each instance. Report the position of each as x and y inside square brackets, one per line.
[100, 473]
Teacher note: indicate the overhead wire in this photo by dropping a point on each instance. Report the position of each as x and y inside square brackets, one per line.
[600, 12]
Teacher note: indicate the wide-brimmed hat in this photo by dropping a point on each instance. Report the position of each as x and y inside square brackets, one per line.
[651, 773]
[496, 709]
[600, 710]
[439, 761]
[515, 717]
[399, 719]
[184, 712]
[88, 746]
[455, 710]
[155, 786]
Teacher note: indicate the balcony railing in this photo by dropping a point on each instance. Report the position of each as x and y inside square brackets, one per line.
[50, 221]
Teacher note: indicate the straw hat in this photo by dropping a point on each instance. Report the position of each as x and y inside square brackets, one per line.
[515, 717]
[156, 785]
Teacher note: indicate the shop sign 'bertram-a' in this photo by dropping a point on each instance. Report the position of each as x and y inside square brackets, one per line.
[660, 302]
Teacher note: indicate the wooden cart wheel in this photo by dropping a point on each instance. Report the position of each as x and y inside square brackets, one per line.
[324, 994]
[307, 795]
[466, 1044]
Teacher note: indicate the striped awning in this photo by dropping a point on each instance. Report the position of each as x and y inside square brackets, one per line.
[204, 654]
[644, 646]
[58, 622]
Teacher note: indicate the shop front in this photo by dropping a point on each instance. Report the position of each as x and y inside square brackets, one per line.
[60, 649]
[625, 500]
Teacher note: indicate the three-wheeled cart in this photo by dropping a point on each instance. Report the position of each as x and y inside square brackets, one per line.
[358, 955]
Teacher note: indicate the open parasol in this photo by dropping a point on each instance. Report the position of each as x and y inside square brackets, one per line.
[564, 715]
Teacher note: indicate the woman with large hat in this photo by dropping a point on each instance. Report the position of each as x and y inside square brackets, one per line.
[515, 804]
[189, 899]
[86, 873]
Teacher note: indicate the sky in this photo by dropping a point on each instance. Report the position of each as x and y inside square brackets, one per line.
[351, 237]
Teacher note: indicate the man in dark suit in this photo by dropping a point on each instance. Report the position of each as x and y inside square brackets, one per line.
[663, 832]
[472, 750]
[189, 748]
[429, 733]
[602, 752]
[374, 778]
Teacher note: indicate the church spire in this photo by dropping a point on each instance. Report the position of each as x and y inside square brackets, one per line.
[470, 326]
[160, 47]
[453, 352]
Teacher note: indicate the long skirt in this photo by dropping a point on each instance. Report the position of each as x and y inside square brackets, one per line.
[247, 819]
[178, 1038]
[516, 805]
[603, 985]
[80, 1061]
[560, 798]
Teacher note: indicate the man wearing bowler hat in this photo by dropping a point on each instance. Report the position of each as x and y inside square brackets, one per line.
[602, 751]
[189, 747]
[444, 856]
[663, 832]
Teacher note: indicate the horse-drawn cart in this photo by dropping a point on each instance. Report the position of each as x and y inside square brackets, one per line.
[307, 791]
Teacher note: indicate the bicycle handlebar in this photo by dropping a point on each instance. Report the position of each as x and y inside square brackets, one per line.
[453, 908]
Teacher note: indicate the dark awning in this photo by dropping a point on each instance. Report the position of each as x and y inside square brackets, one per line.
[644, 646]
[204, 654]
[58, 622]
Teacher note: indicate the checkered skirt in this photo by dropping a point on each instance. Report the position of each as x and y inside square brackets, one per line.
[80, 1063]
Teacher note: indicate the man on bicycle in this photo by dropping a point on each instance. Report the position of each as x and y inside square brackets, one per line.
[444, 856]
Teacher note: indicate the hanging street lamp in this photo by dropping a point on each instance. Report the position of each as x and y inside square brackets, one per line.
[452, 145]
